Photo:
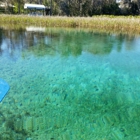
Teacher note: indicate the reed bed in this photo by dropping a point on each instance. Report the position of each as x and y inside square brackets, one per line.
[124, 24]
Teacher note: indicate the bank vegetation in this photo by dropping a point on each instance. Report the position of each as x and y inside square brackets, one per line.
[127, 24]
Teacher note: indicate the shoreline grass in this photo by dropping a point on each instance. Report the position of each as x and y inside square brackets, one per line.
[123, 24]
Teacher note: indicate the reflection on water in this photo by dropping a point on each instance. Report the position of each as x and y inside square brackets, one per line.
[65, 43]
[69, 85]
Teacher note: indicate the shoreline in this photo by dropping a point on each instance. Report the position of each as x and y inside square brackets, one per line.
[121, 24]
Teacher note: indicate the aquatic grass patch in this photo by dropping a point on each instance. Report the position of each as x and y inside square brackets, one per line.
[124, 24]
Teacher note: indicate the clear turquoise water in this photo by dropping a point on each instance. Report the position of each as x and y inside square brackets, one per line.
[70, 85]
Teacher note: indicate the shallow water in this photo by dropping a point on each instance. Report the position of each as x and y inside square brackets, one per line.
[69, 85]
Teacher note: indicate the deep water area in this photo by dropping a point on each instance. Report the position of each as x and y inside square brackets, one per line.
[69, 84]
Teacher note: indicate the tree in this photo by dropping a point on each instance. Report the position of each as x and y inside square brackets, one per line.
[110, 9]
[81, 7]
[134, 9]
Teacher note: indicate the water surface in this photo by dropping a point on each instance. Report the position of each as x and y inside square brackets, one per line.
[69, 85]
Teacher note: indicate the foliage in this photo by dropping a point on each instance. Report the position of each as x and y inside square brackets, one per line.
[81, 7]
[111, 9]
[134, 9]
[15, 10]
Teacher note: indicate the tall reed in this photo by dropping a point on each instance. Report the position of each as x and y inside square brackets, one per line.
[125, 24]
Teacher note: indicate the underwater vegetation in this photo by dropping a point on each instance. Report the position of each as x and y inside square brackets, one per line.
[68, 84]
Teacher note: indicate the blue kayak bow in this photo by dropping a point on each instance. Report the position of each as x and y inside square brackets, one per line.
[4, 87]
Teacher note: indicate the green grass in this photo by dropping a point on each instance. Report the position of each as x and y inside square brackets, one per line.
[123, 24]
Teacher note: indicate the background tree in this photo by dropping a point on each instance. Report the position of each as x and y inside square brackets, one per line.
[134, 9]
[110, 8]
[81, 7]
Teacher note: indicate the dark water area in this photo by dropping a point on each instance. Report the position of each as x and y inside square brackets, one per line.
[69, 84]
